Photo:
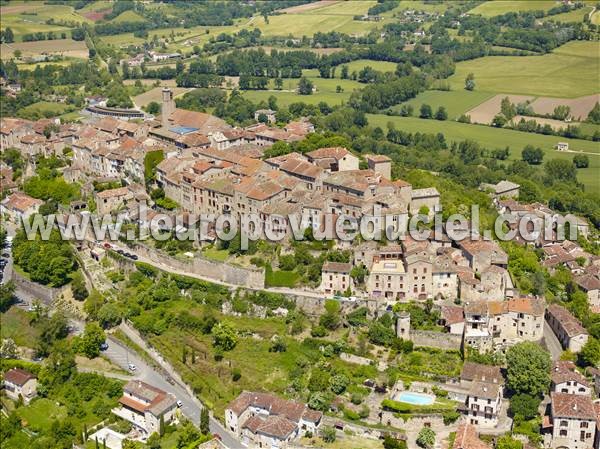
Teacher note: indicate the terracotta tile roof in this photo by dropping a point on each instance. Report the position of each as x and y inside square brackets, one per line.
[336, 153]
[301, 168]
[485, 390]
[337, 267]
[568, 322]
[113, 193]
[466, 438]
[452, 314]
[194, 140]
[575, 406]
[529, 306]
[481, 373]
[158, 400]
[588, 282]
[18, 376]
[377, 158]
[21, 202]
[564, 371]
[204, 122]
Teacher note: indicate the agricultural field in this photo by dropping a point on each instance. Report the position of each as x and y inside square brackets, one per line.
[24, 19]
[64, 47]
[498, 7]
[569, 71]
[45, 109]
[572, 16]
[326, 91]
[493, 138]
[358, 65]
[456, 102]
[128, 16]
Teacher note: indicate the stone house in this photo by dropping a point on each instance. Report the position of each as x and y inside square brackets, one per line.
[333, 159]
[483, 253]
[483, 387]
[569, 331]
[428, 198]
[114, 200]
[573, 421]
[144, 405]
[262, 420]
[335, 277]
[19, 205]
[380, 164]
[466, 438]
[566, 379]
[19, 383]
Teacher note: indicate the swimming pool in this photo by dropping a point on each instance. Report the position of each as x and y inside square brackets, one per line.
[415, 398]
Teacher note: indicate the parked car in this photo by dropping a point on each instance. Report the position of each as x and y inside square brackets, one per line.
[179, 403]
[107, 245]
[132, 367]
[104, 346]
[134, 257]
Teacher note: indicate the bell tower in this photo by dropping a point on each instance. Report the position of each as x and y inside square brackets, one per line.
[168, 106]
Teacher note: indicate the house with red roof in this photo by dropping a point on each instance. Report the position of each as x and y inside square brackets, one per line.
[19, 383]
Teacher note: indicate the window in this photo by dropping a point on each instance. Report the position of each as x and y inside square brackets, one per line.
[563, 433]
[564, 424]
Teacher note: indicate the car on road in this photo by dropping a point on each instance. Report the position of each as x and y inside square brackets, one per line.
[5, 255]
[134, 257]
[132, 367]
[107, 245]
[179, 403]
[104, 346]
[121, 252]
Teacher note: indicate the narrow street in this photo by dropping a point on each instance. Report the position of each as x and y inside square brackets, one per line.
[552, 343]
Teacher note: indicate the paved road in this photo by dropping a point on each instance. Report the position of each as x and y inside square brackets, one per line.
[552, 343]
[122, 356]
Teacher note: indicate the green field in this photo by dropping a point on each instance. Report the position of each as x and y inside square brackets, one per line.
[99, 5]
[326, 91]
[128, 16]
[419, 5]
[498, 7]
[359, 64]
[492, 138]
[33, 19]
[15, 324]
[46, 108]
[569, 71]
[572, 16]
[456, 102]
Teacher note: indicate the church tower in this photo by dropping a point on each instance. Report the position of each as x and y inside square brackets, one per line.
[168, 106]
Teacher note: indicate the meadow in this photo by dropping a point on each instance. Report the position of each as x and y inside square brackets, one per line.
[66, 47]
[326, 91]
[492, 138]
[456, 102]
[359, 64]
[498, 7]
[569, 71]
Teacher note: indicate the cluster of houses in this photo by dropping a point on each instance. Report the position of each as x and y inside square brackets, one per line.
[264, 420]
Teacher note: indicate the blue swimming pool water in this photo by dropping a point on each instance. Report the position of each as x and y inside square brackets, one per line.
[415, 398]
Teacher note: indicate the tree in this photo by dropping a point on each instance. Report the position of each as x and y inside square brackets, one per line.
[441, 113]
[507, 108]
[161, 425]
[531, 155]
[425, 111]
[338, 383]
[524, 405]
[224, 336]
[153, 108]
[278, 83]
[328, 434]
[499, 121]
[204, 421]
[331, 318]
[470, 82]
[8, 349]
[594, 115]
[426, 438]
[561, 112]
[78, 286]
[560, 170]
[528, 369]
[17, 54]
[581, 161]
[390, 442]
[93, 337]
[590, 353]
[508, 442]
[305, 86]
[8, 36]
[7, 296]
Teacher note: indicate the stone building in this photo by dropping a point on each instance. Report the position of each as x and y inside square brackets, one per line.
[569, 331]
[335, 277]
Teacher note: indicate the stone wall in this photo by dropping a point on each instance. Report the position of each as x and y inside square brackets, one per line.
[46, 294]
[218, 271]
[437, 340]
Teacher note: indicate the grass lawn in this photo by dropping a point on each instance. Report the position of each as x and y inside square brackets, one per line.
[569, 71]
[40, 413]
[99, 5]
[15, 324]
[281, 279]
[219, 255]
[456, 102]
[492, 138]
[498, 7]
[46, 108]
